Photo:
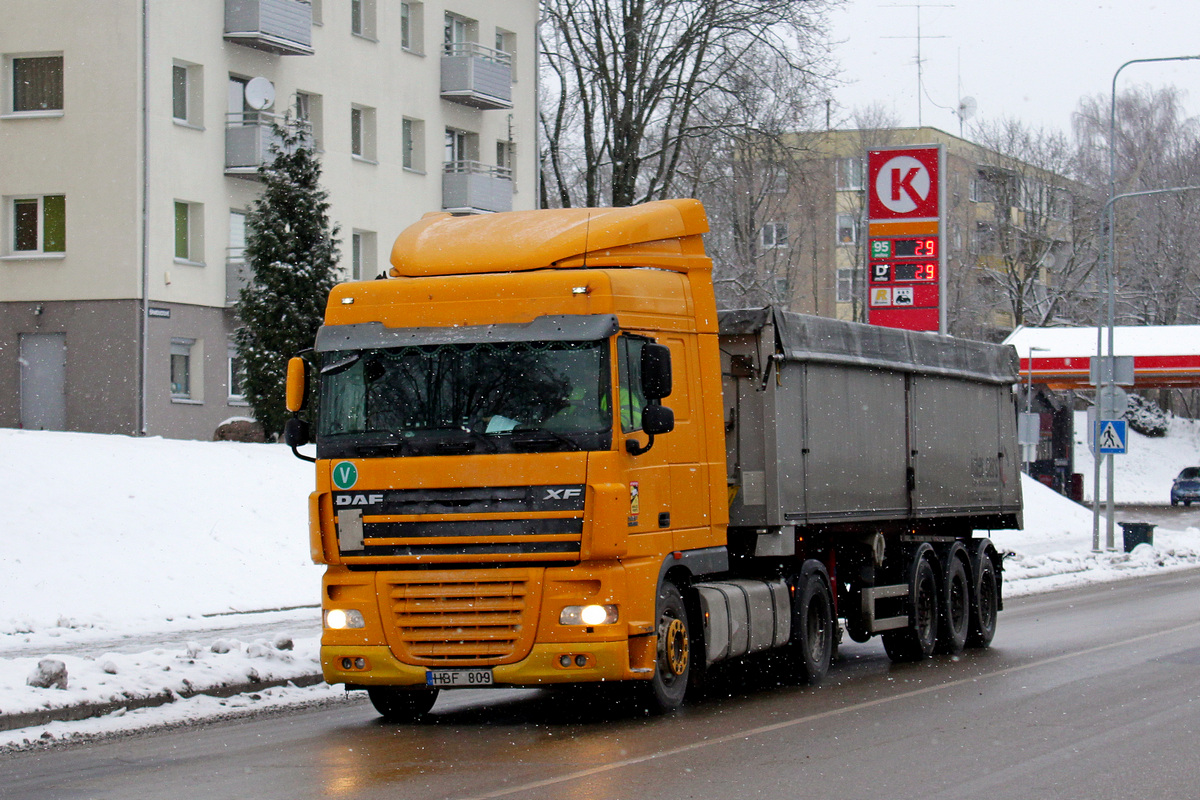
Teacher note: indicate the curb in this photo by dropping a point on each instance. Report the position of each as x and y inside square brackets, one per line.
[29, 719]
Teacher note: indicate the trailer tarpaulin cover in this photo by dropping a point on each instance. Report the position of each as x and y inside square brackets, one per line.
[800, 337]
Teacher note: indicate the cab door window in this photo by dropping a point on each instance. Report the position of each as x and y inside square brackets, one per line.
[629, 376]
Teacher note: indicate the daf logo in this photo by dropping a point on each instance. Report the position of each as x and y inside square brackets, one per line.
[359, 499]
[562, 494]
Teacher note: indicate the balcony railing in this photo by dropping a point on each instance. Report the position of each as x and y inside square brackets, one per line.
[476, 76]
[283, 27]
[248, 140]
[469, 186]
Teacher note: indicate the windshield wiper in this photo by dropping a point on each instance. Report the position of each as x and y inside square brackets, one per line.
[375, 444]
[530, 438]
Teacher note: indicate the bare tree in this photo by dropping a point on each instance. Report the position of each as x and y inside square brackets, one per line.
[629, 83]
[1028, 251]
[1156, 147]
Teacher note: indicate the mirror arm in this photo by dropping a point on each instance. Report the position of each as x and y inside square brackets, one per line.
[634, 449]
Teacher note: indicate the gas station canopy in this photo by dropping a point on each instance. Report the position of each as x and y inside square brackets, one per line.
[1164, 356]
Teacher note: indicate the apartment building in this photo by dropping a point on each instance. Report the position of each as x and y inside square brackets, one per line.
[812, 248]
[132, 134]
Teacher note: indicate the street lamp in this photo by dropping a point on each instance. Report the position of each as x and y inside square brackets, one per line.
[1107, 376]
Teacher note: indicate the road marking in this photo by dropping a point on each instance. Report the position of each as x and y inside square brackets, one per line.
[777, 726]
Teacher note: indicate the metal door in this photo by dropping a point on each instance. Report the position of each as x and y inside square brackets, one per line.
[43, 358]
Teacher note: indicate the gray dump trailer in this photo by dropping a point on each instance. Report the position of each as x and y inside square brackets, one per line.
[873, 457]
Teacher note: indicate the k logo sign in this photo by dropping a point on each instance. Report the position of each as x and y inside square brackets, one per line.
[903, 183]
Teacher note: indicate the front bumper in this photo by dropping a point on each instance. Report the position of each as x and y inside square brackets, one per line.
[605, 661]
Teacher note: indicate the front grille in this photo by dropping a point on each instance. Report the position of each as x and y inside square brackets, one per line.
[475, 622]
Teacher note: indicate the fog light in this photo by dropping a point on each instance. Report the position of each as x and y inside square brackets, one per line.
[339, 619]
[564, 660]
[588, 615]
[581, 661]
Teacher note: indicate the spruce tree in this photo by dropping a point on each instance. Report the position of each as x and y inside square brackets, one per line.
[292, 254]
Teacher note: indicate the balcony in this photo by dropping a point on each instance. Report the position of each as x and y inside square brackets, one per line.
[476, 76]
[249, 137]
[282, 27]
[472, 187]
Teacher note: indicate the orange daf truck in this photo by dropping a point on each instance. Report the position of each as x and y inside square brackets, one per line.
[543, 457]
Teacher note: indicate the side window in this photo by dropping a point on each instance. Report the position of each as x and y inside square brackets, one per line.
[629, 375]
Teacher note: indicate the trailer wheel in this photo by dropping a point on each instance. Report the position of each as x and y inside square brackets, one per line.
[672, 666]
[401, 705]
[809, 651]
[985, 600]
[917, 641]
[956, 603]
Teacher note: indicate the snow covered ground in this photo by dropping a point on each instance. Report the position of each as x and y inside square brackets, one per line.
[155, 568]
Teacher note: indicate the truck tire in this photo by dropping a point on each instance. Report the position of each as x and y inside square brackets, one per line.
[673, 663]
[809, 651]
[917, 641]
[985, 599]
[401, 705]
[955, 620]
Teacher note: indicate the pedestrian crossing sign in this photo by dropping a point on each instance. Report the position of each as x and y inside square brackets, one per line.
[1111, 436]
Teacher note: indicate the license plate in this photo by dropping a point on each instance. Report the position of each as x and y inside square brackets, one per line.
[449, 678]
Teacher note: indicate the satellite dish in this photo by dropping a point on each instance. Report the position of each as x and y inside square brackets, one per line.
[260, 93]
[966, 108]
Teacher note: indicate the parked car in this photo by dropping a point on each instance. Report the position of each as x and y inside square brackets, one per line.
[1186, 487]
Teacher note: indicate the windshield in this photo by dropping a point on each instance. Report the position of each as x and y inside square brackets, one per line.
[1189, 474]
[463, 398]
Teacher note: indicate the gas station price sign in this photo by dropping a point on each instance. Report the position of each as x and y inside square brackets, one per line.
[908, 247]
[905, 219]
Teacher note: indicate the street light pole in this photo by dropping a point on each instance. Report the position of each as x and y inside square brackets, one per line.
[1107, 376]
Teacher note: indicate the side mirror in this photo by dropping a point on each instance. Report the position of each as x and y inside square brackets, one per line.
[657, 420]
[656, 371]
[295, 433]
[297, 378]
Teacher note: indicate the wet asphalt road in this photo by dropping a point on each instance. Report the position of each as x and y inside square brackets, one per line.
[1091, 693]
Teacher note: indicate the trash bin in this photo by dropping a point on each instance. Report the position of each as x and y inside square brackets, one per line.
[1136, 533]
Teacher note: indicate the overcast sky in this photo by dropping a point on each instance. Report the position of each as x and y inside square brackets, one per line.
[1030, 59]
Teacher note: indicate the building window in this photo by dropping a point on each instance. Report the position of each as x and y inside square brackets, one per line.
[850, 174]
[362, 18]
[37, 84]
[181, 368]
[506, 42]
[412, 27]
[317, 11]
[847, 229]
[456, 32]
[412, 142]
[189, 232]
[461, 146]
[362, 132]
[187, 100]
[362, 255]
[236, 376]
[773, 234]
[39, 224]
[308, 114]
[846, 280]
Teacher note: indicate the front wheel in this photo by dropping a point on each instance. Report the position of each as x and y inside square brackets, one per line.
[673, 660]
[809, 651]
[401, 705]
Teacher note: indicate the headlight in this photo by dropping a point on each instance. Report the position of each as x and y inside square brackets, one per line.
[339, 619]
[588, 615]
